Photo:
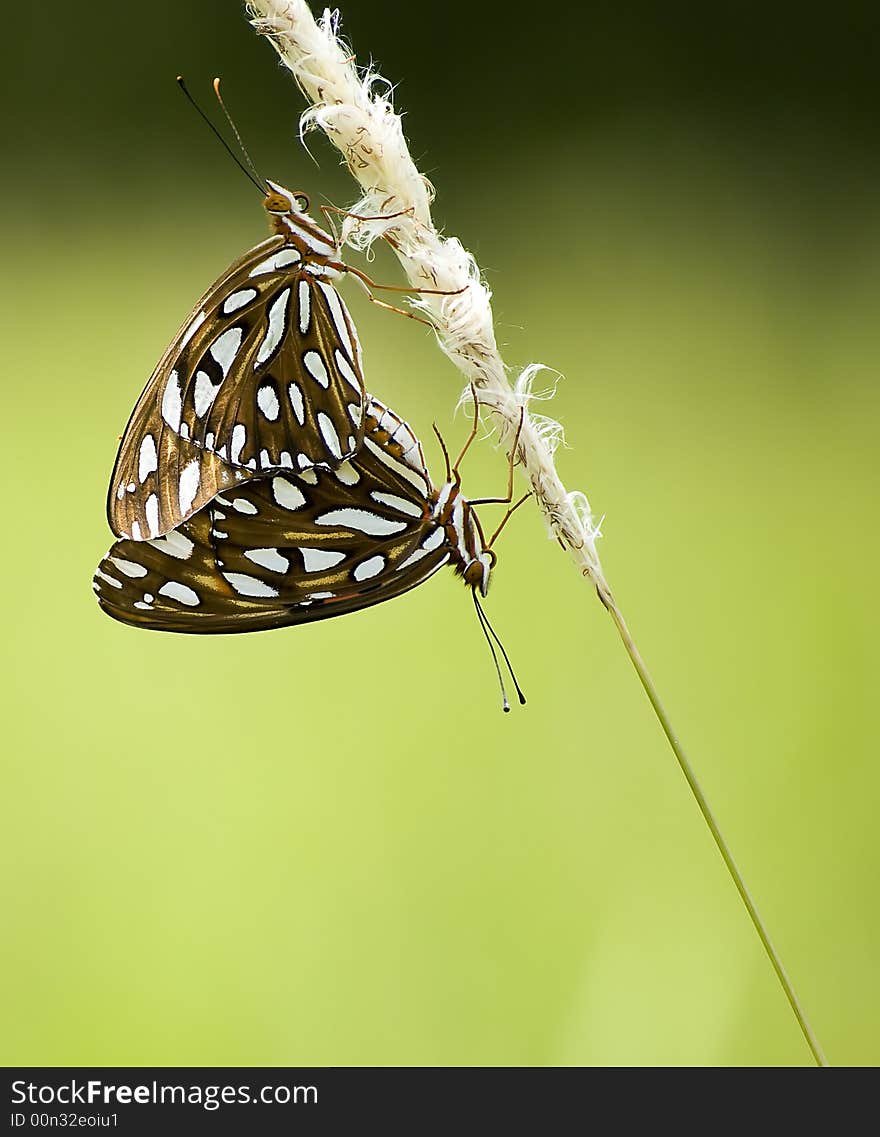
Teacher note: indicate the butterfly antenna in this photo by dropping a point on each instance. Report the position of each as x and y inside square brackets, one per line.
[232, 154]
[481, 616]
[486, 625]
[231, 122]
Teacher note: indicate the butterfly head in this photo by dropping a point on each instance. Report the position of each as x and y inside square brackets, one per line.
[478, 571]
[289, 214]
[281, 202]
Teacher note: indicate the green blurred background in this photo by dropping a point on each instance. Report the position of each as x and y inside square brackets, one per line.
[326, 845]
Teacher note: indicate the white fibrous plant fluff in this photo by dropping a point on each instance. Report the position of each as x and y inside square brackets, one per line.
[354, 109]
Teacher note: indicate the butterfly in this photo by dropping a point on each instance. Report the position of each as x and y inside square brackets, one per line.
[288, 548]
[265, 375]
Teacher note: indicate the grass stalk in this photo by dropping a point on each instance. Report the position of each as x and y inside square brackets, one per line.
[717, 836]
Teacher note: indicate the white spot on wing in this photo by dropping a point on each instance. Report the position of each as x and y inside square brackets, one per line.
[110, 579]
[238, 300]
[400, 468]
[361, 520]
[182, 593]
[268, 558]
[328, 433]
[412, 508]
[296, 401]
[411, 559]
[175, 544]
[128, 567]
[286, 494]
[346, 370]
[147, 458]
[204, 395]
[305, 306]
[315, 560]
[171, 405]
[267, 401]
[277, 323]
[236, 444]
[249, 585]
[369, 568]
[152, 511]
[283, 259]
[338, 313]
[188, 487]
[225, 346]
[314, 364]
[347, 474]
[434, 540]
[242, 505]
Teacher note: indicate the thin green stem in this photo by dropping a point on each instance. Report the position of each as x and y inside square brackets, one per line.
[709, 818]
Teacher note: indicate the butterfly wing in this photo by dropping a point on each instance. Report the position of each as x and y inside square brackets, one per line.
[265, 375]
[288, 549]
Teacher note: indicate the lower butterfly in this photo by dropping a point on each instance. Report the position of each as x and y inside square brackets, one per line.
[291, 548]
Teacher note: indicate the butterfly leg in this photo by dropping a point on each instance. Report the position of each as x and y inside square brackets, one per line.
[400, 311]
[473, 434]
[370, 283]
[328, 209]
[507, 516]
[384, 304]
[366, 283]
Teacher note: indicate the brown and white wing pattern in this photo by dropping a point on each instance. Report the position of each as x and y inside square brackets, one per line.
[287, 549]
[265, 375]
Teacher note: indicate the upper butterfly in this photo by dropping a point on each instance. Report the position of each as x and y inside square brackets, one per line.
[264, 375]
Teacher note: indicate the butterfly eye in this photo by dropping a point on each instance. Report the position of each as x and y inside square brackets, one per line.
[492, 558]
[302, 199]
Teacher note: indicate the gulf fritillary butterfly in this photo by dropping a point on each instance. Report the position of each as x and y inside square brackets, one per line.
[264, 375]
